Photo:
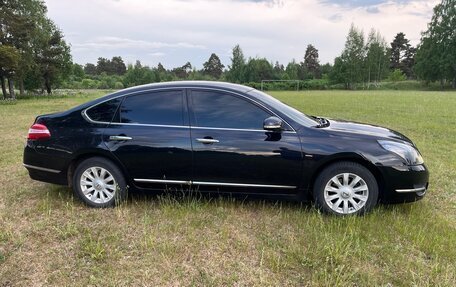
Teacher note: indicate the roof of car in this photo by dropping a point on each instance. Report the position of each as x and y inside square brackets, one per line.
[175, 84]
[200, 84]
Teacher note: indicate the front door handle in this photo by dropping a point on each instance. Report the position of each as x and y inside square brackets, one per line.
[120, 138]
[207, 141]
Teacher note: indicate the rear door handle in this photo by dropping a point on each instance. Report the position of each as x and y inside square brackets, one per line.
[207, 141]
[120, 138]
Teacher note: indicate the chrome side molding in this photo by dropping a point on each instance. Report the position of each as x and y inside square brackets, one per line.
[41, 168]
[144, 180]
[418, 189]
[243, 184]
[189, 182]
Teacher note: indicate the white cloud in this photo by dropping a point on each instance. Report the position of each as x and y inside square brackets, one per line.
[157, 54]
[189, 30]
[113, 43]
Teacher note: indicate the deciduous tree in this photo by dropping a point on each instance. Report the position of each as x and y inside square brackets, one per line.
[138, 75]
[9, 61]
[90, 69]
[118, 66]
[376, 62]
[236, 69]
[53, 56]
[349, 67]
[17, 28]
[258, 69]
[41, 51]
[292, 70]
[436, 55]
[279, 71]
[182, 72]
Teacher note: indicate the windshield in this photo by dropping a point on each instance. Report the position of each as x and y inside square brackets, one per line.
[292, 113]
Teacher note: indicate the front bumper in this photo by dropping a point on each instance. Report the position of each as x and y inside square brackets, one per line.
[418, 190]
[404, 183]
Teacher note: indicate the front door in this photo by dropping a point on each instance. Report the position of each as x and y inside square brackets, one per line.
[231, 151]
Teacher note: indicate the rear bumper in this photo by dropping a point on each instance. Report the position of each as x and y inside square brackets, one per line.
[34, 167]
[42, 167]
[46, 175]
[404, 183]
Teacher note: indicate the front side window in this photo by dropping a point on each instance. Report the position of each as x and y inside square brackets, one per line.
[291, 112]
[156, 108]
[222, 110]
[104, 112]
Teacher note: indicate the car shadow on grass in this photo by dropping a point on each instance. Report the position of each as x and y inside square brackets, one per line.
[62, 195]
[186, 195]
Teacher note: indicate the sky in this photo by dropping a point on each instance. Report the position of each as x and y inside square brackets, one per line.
[176, 31]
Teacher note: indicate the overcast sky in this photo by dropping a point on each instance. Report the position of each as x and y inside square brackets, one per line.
[176, 31]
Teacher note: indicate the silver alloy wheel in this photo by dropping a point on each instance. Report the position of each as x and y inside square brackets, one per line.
[346, 193]
[98, 185]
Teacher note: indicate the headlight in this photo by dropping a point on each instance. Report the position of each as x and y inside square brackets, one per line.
[410, 154]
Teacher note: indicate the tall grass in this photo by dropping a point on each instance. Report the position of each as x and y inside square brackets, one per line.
[47, 237]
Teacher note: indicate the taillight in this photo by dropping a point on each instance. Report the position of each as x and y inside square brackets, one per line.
[38, 132]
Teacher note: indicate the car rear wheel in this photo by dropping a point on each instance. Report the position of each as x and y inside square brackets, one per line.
[345, 188]
[98, 182]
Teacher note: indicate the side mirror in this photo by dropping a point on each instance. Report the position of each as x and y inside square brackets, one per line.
[272, 124]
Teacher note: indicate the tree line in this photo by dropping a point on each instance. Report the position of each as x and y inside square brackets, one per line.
[113, 73]
[34, 56]
[434, 59]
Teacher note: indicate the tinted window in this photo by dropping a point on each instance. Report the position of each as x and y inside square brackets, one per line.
[159, 108]
[104, 112]
[222, 110]
[289, 111]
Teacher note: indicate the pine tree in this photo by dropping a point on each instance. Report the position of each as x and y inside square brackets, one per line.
[311, 62]
[213, 67]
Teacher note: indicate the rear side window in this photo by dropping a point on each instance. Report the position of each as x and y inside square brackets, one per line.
[156, 108]
[222, 110]
[104, 112]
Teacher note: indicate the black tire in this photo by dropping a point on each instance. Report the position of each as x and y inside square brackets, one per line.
[119, 192]
[337, 169]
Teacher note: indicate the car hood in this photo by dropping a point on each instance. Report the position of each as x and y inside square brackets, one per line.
[360, 129]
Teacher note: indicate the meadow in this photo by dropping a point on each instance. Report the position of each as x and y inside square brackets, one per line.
[49, 238]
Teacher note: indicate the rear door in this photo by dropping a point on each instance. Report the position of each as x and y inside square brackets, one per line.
[150, 135]
[231, 151]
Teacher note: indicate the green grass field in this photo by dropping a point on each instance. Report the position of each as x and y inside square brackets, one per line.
[47, 237]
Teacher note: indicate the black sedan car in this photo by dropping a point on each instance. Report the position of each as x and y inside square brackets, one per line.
[221, 137]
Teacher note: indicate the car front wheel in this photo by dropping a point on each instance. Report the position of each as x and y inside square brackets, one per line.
[98, 182]
[345, 188]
